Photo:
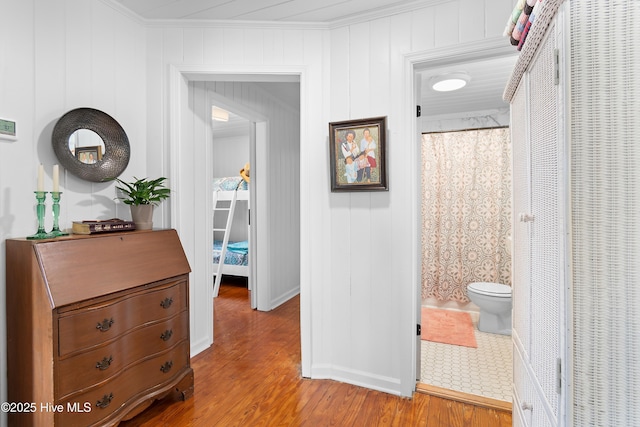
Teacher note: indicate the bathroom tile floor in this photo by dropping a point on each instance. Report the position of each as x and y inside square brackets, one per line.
[484, 371]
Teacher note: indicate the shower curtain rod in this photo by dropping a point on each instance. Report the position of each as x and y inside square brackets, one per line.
[465, 130]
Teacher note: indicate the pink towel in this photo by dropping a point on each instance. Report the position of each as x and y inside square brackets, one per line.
[522, 23]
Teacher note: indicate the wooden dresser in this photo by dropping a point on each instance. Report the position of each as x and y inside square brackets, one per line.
[97, 327]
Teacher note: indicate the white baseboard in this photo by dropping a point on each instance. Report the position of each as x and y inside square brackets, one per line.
[199, 346]
[358, 378]
[285, 297]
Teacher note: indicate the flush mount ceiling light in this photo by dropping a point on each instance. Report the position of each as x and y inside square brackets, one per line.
[219, 114]
[449, 82]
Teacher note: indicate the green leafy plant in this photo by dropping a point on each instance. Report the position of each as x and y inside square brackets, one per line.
[143, 191]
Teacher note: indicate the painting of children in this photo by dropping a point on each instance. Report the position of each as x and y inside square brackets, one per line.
[358, 155]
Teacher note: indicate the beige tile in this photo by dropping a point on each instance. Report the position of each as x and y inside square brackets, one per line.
[484, 371]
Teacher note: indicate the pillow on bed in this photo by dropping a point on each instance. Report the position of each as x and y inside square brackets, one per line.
[241, 247]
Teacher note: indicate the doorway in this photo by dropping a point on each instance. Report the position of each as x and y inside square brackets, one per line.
[190, 118]
[458, 111]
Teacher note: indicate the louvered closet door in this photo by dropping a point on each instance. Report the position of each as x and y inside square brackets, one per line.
[546, 253]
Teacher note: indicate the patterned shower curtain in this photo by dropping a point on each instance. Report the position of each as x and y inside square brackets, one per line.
[466, 211]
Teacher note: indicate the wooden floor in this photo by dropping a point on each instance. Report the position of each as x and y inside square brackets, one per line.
[251, 377]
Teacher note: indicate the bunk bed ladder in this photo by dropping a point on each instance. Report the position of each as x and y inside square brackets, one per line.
[226, 230]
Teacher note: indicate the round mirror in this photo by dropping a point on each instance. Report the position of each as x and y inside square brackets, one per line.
[91, 145]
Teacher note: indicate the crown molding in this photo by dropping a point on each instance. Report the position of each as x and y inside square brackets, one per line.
[118, 7]
[384, 12]
[224, 23]
[356, 18]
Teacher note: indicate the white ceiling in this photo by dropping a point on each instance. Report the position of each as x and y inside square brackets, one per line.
[483, 92]
[235, 126]
[289, 93]
[488, 78]
[325, 11]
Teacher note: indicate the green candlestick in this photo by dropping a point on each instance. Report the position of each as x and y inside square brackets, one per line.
[40, 234]
[55, 195]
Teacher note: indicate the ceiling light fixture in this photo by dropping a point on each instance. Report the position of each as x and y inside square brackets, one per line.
[219, 114]
[449, 82]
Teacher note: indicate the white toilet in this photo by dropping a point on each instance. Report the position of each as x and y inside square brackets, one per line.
[494, 300]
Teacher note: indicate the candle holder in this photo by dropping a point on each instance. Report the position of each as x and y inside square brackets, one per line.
[55, 232]
[40, 234]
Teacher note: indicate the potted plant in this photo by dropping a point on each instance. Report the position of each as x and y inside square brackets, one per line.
[141, 196]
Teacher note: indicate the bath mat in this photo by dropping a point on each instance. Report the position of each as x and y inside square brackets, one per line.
[448, 327]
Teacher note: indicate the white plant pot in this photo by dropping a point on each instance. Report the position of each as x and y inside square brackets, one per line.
[142, 216]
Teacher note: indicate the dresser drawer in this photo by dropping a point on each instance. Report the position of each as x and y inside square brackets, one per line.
[94, 366]
[103, 322]
[129, 385]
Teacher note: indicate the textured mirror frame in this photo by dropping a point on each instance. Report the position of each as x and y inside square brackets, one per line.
[117, 150]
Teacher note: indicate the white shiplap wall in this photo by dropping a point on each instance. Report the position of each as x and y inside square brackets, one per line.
[59, 55]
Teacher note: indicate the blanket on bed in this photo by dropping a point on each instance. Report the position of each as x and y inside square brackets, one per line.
[230, 183]
[237, 253]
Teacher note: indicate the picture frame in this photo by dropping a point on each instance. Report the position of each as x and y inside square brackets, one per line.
[89, 155]
[357, 155]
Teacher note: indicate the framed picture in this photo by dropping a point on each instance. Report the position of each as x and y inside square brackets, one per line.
[358, 155]
[89, 155]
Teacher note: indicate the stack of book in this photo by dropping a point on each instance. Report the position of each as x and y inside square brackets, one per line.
[102, 226]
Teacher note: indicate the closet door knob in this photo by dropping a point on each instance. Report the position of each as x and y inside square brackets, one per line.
[526, 406]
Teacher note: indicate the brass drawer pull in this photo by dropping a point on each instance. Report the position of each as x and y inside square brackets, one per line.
[167, 302]
[104, 363]
[105, 401]
[166, 336]
[105, 325]
[167, 366]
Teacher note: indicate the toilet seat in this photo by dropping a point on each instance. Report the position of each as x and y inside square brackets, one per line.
[497, 290]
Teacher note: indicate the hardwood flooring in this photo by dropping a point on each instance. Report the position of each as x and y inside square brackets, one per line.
[251, 377]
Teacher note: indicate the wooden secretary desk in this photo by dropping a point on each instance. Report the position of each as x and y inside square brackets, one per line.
[97, 326]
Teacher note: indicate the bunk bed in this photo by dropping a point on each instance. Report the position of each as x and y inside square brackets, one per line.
[235, 254]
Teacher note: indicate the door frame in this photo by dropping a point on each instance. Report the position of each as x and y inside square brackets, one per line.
[414, 63]
[201, 326]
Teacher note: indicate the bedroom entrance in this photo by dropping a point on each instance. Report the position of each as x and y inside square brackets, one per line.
[265, 101]
[255, 130]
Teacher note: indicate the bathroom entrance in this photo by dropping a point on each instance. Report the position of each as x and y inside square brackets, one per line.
[466, 226]
[465, 218]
